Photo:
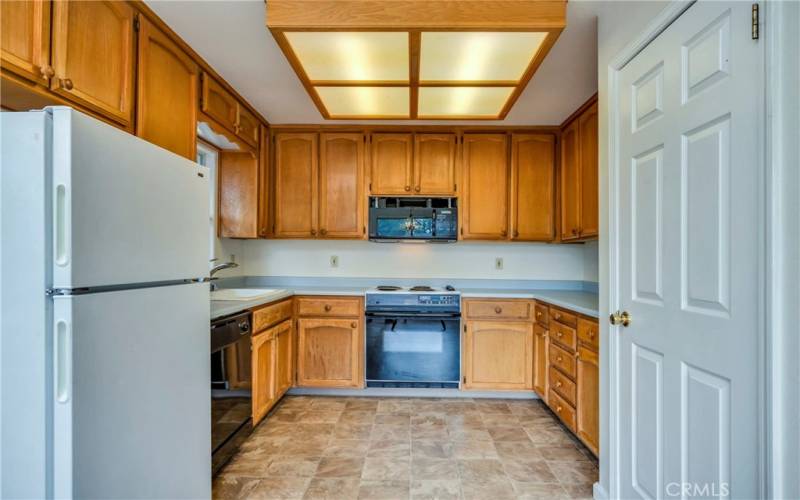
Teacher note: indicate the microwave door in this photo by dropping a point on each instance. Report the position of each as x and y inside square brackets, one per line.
[423, 223]
[391, 223]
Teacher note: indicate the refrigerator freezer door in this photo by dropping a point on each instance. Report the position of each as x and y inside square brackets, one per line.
[124, 211]
[131, 394]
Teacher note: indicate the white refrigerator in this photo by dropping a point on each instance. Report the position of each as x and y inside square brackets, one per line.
[104, 353]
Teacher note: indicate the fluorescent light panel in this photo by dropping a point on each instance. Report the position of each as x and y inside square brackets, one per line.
[462, 101]
[365, 101]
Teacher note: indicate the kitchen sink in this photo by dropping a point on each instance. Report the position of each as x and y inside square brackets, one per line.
[242, 293]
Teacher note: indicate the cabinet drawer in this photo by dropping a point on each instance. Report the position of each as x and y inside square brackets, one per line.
[542, 314]
[563, 335]
[563, 386]
[563, 409]
[563, 317]
[499, 309]
[562, 360]
[589, 333]
[271, 314]
[328, 306]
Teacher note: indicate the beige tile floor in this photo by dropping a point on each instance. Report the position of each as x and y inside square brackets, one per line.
[348, 448]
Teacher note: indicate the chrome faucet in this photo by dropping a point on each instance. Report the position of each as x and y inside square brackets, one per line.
[218, 268]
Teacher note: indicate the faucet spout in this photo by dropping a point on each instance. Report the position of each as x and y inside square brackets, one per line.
[218, 268]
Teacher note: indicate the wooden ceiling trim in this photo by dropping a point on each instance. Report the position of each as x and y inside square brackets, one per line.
[414, 44]
[294, 62]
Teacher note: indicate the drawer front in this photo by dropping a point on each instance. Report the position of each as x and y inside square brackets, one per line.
[562, 360]
[269, 315]
[328, 306]
[498, 309]
[563, 317]
[563, 335]
[542, 314]
[565, 387]
[563, 409]
[589, 333]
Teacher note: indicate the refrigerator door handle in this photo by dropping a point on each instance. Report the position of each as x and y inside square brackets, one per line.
[62, 359]
[61, 227]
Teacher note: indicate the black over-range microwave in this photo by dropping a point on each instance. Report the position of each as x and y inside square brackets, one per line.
[413, 219]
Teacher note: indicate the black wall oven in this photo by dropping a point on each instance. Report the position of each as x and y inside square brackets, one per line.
[413, 219]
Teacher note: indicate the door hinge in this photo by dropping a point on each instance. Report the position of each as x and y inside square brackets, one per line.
[754, 18]
[462, 231]
[465, 327]
[464, 379]
[455, 187]
[370, 187]
[136, 23]
[273, 228]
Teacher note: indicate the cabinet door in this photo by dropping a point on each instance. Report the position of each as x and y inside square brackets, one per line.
[570, 182]
[498, 355]
[166, 108]
[25, 39]
[284, 367]
[263, 373]
[93, 56]
[218, 103]
[341, 184]
[246, 125]
[485, 187]
[296, 185]
[237, 215]
[435, 164]
[264, 184]
[587, 123]
[540, 361]
[391, 164]
[329, 352]
[532, 187]
[588, 401]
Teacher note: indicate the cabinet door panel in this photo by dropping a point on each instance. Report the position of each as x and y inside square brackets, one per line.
[341, 196]
[296, 185]
[166, 108]
[485, 187]
[540, 361]
[498, 355]
[588, 181]
[329, 352]
[246, 125]
[25, 38]
[588, 400]
[284, 368]
[264, 185]
[570, 182]
[435, 164]
[391, 164]
[532, 187]
[218, 103]
[93, 56]
[263, 373]
[238, 194]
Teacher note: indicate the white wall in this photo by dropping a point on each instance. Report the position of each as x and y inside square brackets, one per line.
[590, 261]
[364, 259]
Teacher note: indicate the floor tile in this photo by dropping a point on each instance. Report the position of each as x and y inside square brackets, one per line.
[474, 449]
[544, 491]
[434, 468]
[347, 448]
[383, 490]
[435, 490]
[390, 449]
[534, 471]
[562, 452]
[233, 488]
[422, 448]
[352, 431]
[280, 488]
[325, 488]
[282, 466]
[340, 467]
[481, 469]
[508, 434]
[386, 469]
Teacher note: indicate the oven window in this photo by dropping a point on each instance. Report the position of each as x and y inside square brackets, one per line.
[389, 227]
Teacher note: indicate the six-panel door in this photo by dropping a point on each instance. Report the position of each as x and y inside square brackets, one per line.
[498, 355]
[329, 352]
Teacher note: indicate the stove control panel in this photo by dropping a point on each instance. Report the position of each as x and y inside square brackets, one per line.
[438, 300]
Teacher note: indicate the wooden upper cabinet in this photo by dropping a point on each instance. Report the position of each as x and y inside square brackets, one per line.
[166, 108]
[498, 355]
[587, 123]
[25, 39]
[218, 103]
[570, 182]
[238, 194]
[264, 184]
[93, 56]
[391, 170]
[435, 164]
[484, 206]
[296, 179]
[532, 187]
[341, 185]
[247, 125]
[329, 352]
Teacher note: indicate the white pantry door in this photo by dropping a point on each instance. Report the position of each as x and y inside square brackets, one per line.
[690, 128]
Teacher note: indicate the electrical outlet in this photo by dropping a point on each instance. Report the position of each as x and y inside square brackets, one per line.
[498, 263]
[334, 261]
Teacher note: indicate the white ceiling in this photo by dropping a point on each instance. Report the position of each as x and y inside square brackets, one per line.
[231, 36]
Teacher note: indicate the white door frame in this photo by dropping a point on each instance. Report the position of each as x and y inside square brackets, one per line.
[777, 462]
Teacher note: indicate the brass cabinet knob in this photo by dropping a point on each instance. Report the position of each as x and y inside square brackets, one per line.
[498, 309]
[620, 318]
[65, 83]
[558, 384]
[313, 232]
[503, 232]
[327, 307]
[47, 71]
[353, 324]
[591, 334]
[323, 232]
[558, 359]
[416, 189]
[557, 316]
[538, 314]
[408, 188]
[558, 408]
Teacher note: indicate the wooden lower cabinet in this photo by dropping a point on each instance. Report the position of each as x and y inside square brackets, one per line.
[272, 357]
[263, 370]
[588, 398]
[284, 357]
[498, 355]
[540, 345]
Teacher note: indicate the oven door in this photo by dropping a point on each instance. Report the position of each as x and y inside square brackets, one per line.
[413, 350]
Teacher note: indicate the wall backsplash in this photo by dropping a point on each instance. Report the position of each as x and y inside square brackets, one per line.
[364, 259]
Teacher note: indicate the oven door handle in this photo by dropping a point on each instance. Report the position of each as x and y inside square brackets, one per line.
[414, 315]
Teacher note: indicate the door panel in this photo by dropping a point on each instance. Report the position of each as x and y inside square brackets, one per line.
[435, 164]
[587, 422]
[689, 208]
[570, 182]
[341, 178]
[25, 38]
[238, 194]
[485, 187]
[93, 51]
[532, 187]
[540, 363]
[246, 125]
[264, 184]
[284, 353]
[587, 124]
[391, 164]
[498, 355]
[296, 185]
[329, 352]
[218, 103]
[263, 370]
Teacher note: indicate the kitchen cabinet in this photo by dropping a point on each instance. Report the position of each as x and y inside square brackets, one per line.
[93, 56]
[435, 164]
[484, 200]
[329, 348]
[25, 39]
[219, 104]
[587, 420]
[391, 164]
[167, 83]
[579, 181]
[540, 364]
[296, 185]
[498, 355]
[237, 214]
[263, 373]
[532, 187]
[271, 362]
[246, 125]
[264, 184]
[284, 357]
[341, 186]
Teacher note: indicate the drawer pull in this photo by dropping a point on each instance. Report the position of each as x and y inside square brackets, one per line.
[559, 408]
[559, 359]
[559, 334]
[498, 310]
[557, 316]
[591, 334]
[538, 314]
[327, 308]
[558, 384]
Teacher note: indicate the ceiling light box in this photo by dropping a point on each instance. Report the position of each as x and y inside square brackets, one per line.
[415, 59]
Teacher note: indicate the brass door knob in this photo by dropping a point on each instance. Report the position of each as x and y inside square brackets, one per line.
[65, 83]
[620, 318]
[327, 307]
[408, 188]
